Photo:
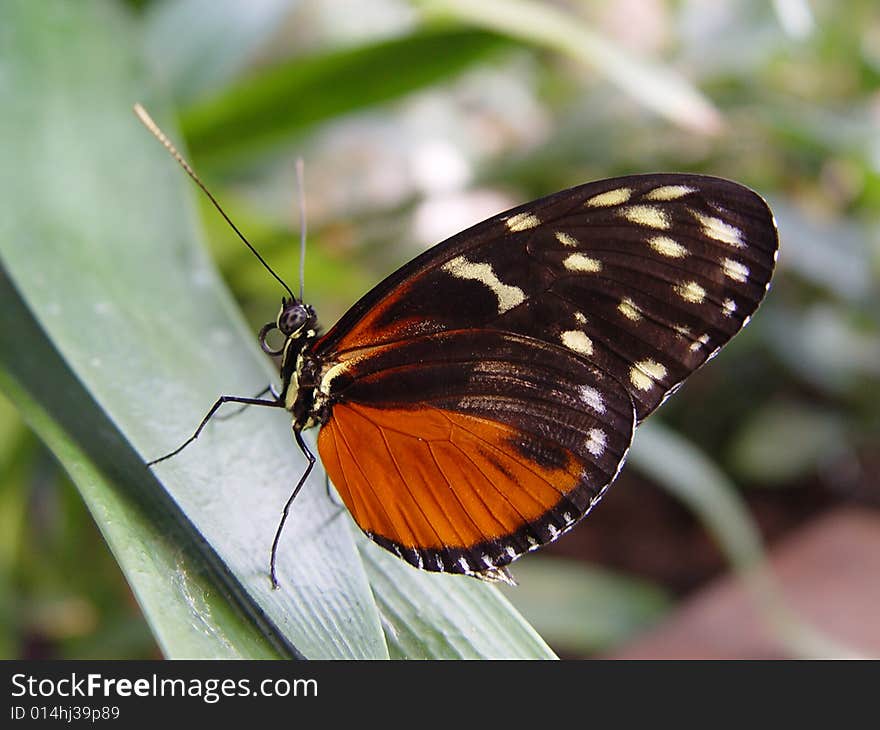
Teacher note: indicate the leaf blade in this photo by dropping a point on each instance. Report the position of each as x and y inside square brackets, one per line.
[289, 98]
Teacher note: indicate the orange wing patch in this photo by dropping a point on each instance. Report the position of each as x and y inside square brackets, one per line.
[432, 479]
[375, 326]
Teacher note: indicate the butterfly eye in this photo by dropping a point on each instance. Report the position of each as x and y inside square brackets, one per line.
[293, 317]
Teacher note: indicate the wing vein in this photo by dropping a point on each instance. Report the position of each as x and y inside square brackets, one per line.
[376, 498]
[409, 491]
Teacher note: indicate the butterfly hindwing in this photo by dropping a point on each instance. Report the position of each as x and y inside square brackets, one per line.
[462, 450]
[557, 326]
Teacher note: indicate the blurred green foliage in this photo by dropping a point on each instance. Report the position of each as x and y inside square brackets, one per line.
[413, 126]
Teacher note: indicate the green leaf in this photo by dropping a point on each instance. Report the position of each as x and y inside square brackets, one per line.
[221, 38]
[785, 440]
[491, 630]
[117, 336]
[843, 269]
[827, 345]
[188, 615]
[285, 100]
[592, 608]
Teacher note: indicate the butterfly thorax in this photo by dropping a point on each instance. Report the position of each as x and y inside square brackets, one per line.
[303, 397]
[300, 370]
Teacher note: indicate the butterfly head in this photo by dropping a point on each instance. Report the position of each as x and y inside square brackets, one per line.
[295, 319]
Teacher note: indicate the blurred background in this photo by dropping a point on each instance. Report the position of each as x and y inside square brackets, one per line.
[418, 119]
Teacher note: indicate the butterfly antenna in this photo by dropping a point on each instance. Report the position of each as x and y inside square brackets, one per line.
[301, 199]
[148, 122]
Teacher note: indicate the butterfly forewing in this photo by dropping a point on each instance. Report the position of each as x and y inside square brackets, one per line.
[484, 396]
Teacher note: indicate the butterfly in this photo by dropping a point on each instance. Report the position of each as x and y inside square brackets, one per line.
[477, 403]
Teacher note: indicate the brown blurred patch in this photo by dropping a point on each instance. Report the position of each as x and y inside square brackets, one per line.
[827, 572]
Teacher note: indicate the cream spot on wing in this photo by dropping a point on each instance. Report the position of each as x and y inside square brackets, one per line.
[596, 441]
[628, 309]
[566, 240]
[647, 215]
[728, 307]
[579, 317]
[593, 398]
[612, 197]
[735, 269]
[508, 296]
[720, 231]
[646, 373]
[332, 373]
[699, 342]
[682, 329]
[667, 247]
[579, 262]
[577, 341]
[669, 192]
[691, 292]
[522, 222]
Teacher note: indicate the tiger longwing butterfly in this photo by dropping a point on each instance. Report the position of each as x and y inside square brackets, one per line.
[478, 402]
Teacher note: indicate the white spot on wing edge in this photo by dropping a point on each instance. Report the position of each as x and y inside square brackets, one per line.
[596, 441]
[669, 192]
[522, 222]
[611, 197]
[645, 374]
[719, 230]
[699, 342]
[508, 296]
[593, 398]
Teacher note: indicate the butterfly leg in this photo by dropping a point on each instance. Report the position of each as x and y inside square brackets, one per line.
[268, 389]
[302, 480]
[276, 403]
